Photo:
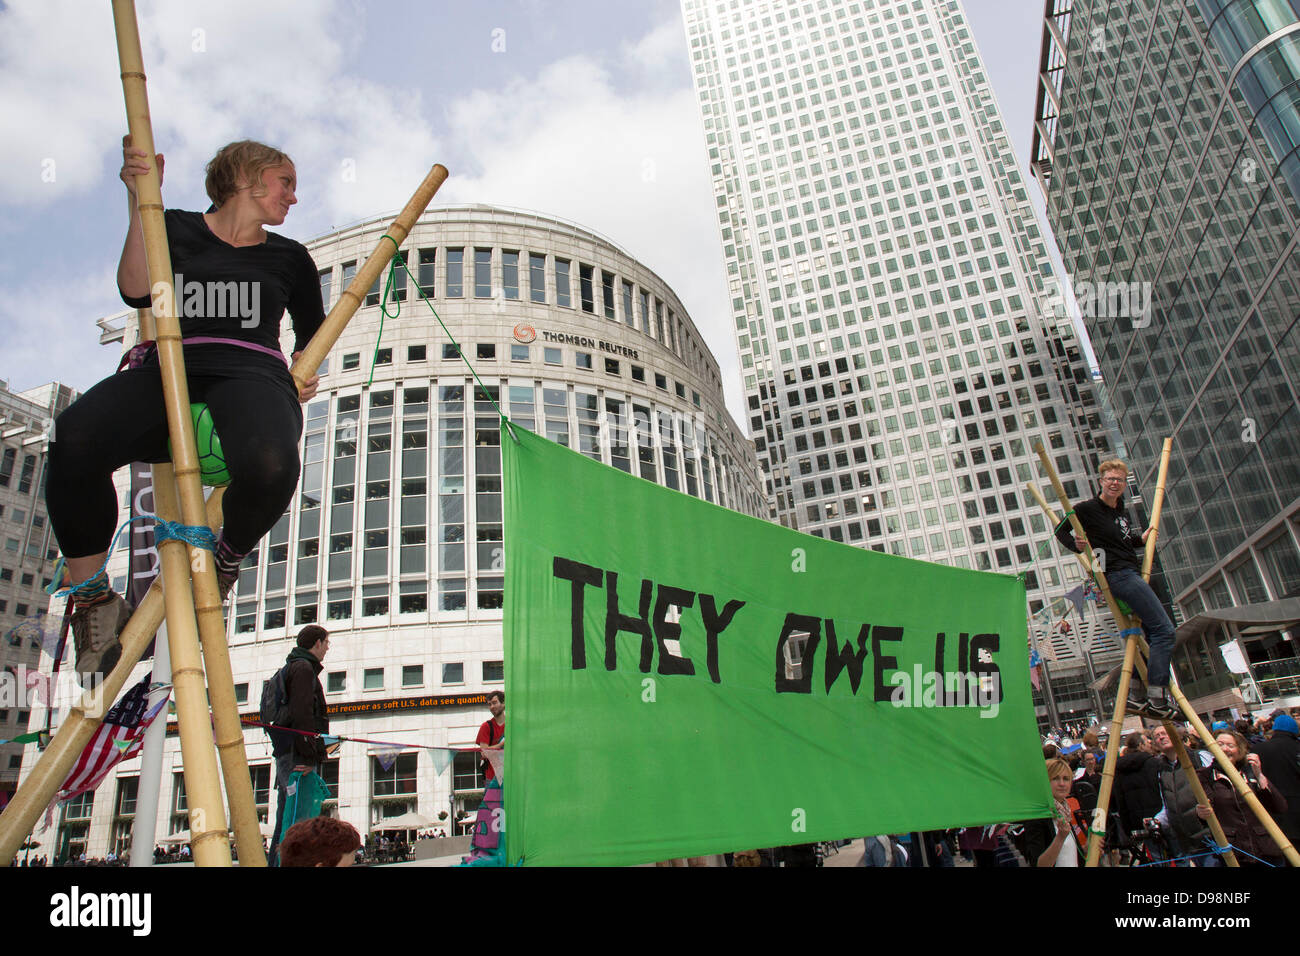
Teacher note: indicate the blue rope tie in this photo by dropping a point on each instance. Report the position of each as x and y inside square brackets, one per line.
[197, 536]
[1131, 632]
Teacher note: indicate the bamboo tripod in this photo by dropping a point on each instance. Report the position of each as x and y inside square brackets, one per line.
[1132, 644]
[178, 491]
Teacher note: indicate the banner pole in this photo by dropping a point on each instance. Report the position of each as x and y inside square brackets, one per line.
[144, 831]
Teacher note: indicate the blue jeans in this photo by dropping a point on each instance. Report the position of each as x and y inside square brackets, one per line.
[1128, 586]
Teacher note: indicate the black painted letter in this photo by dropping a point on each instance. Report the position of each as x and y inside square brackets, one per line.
[666, 630]
[879, 635]
[616, 622]
[581, 575]
[837, 659]
[715, 624]
[798, 624]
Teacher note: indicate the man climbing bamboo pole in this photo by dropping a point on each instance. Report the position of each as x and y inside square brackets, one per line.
[1114, 539]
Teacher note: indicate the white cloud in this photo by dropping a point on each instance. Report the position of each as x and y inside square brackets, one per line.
[626, 159]
[51, 339]
[629, 165]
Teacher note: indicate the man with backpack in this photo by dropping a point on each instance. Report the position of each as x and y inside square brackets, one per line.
[295, 700]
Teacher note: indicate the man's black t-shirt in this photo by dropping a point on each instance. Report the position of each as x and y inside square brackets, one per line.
[1108, 529]
[241, 293]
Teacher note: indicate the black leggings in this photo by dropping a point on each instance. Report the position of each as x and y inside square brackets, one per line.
[122, 420]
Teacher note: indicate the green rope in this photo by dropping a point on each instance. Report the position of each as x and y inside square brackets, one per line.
[383, 306]
[1043, 547]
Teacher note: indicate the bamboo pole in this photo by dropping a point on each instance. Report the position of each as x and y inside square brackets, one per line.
[1121, 696]
[350, 298]
[202, 786]
[1095, 834]
[43, 783]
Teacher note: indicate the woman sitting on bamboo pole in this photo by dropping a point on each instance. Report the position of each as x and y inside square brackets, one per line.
[234, 281]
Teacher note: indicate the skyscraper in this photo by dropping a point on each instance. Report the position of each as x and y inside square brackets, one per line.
[1166, 144]
[897, 340]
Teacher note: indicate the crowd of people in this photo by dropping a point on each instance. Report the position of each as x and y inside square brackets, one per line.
[1155, 816]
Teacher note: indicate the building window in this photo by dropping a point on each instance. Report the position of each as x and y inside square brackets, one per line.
[628, 317]
[510, 274]
[450, 352]
[415, 353]
[373, 679]
[241, 693]
[553, 356]
[537, 277]
[383, 356]
[582, 359]
[607, 294]
[412, 675]
[75, 827]
[518, 353]
[455, 285]
[326, 277]
[453, 673]
[397, 778]
[336, 682]
[487, 350]
[494, 671]
[466, 773]
[611, 367]
[483, 273]
[351, 360]
[638, 373]
[562, 296]
[428, 266]
[586, 287]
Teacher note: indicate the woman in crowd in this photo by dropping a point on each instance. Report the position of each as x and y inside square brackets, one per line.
[1240, 825]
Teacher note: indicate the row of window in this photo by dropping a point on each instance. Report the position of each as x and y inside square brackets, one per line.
[376, 678]
[551, 355]
[26, 474]
[500, 274]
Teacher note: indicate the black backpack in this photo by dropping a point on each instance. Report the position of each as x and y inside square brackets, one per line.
[275, 709]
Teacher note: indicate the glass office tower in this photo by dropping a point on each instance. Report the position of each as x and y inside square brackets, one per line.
[1166, 144]
[887, 282]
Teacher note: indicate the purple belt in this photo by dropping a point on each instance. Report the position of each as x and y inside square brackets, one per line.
[137, 355]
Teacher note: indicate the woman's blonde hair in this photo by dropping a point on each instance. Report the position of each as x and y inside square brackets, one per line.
[1243, 745]
[1112, 464]
[237, 164]
[1056, 766]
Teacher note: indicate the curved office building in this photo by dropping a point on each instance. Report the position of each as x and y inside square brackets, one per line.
[394, 541]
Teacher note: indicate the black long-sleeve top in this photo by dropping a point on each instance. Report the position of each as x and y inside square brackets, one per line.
[1108, 529]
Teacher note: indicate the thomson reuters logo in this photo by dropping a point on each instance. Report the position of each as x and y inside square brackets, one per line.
[525, 333]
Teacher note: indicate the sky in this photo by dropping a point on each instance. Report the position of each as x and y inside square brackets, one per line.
[581, 109]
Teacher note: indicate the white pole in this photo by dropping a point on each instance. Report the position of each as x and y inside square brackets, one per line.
[145, 831]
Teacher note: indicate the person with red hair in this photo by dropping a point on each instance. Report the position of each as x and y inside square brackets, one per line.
[320, 841]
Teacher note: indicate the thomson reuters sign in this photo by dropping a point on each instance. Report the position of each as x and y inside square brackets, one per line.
[525, 333]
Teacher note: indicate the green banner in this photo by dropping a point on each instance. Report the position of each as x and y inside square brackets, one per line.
[685, 680]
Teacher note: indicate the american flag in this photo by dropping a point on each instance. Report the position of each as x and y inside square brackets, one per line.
[119, 737]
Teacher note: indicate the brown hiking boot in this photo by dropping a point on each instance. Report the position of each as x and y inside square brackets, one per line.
[95, 629]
